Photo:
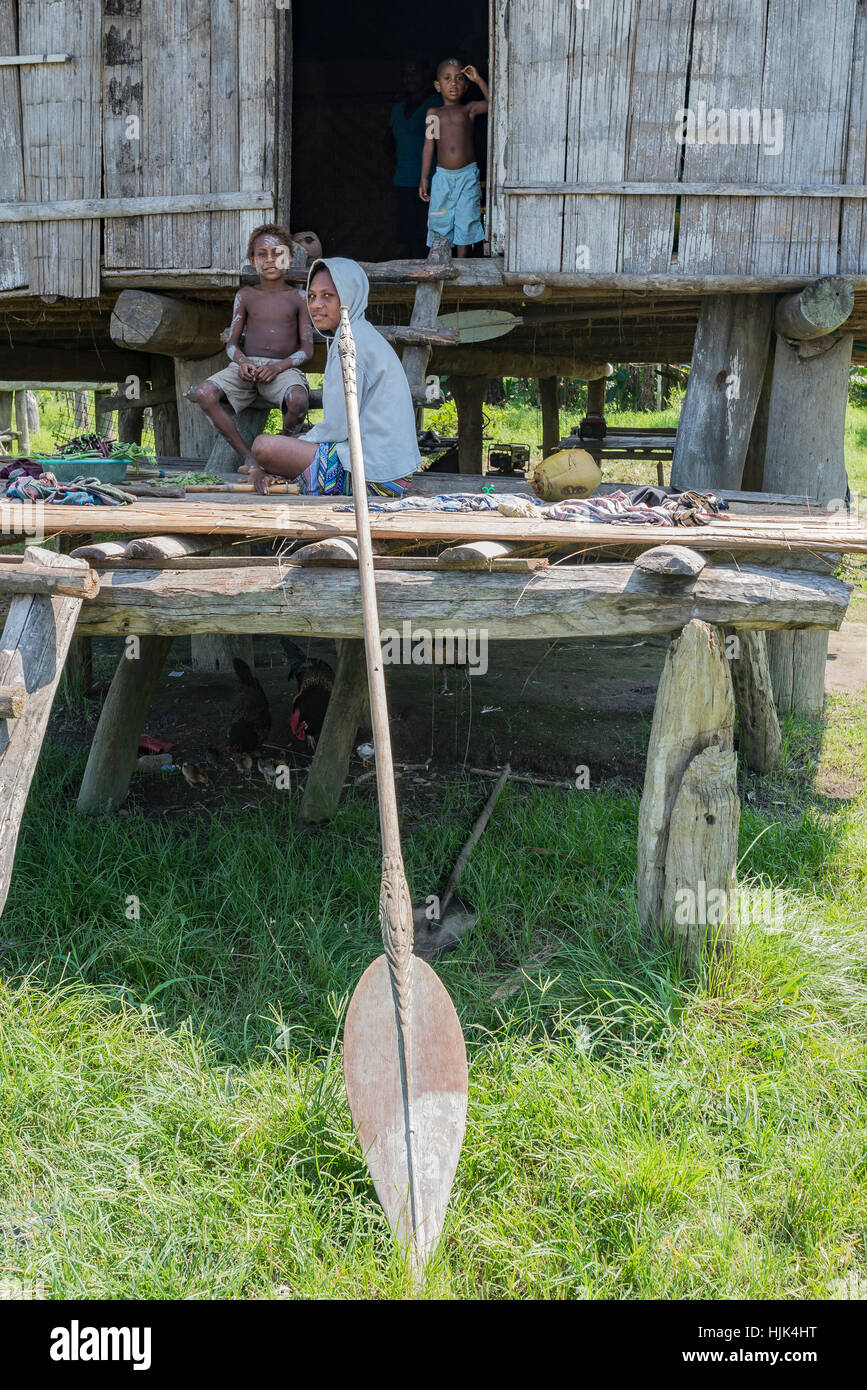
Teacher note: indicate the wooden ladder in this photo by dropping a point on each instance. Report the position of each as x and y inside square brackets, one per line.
[47, 593]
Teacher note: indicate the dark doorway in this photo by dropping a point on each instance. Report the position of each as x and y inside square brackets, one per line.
[348, 60]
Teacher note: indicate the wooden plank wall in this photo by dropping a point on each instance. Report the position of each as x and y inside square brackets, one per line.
[61, 108]
[13, 261]
[594, 92]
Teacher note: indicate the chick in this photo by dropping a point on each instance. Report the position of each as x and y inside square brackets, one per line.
[268, 769]
[195, 776]
[242, 760]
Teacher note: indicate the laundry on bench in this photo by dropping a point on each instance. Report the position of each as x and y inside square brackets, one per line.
[649, 506]
[81, 492]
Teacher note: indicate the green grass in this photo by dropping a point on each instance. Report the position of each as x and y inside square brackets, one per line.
[171, 1099]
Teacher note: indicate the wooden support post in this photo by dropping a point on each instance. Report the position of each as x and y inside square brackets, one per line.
[345, 710]
[754, 464]
[701, 858]
[596, 396]
[129, 422]
[32, 651]
[115, 744]
[196, 430]
[759, 736]
[469, 394]
[167, 435]
[104, 414]
[22, 422]
[694, 711]
[78, 668]
[424, 314]
[728, 361]
[82, 411]
[7, 399]
[250, 422]
[805, 450]
[550, 413]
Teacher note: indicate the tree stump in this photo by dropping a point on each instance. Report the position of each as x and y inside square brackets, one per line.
[701, 858]
[725, 381]
[345, 710]
[694, 710]
[114, 750]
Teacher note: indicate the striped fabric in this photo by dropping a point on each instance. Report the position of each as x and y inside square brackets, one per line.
[326, 477]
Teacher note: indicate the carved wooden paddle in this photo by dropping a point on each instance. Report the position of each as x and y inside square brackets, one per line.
[404, 1059]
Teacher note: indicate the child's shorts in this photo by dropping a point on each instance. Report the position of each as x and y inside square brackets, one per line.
[327, 477]
[241, 393]
[455, 206]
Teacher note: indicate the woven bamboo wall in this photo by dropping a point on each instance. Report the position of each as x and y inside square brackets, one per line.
[591, 95]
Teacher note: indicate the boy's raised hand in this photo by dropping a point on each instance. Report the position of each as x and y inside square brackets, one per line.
[471, 72]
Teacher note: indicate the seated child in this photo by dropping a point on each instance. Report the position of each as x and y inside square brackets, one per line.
[320, 458]
[455, 195]
[278, 339]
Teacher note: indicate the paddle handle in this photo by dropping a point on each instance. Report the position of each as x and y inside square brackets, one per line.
[474, 835]
[395, 903]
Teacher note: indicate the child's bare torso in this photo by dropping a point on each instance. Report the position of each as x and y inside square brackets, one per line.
[455, 140]
[272, 328]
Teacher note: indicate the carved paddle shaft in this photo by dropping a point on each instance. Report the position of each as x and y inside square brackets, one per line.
[404, 1059]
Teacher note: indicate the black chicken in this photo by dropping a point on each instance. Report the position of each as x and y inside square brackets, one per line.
[315, 680]
[251, 717]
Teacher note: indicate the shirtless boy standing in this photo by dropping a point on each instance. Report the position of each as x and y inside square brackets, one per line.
[455, 195]
[273, 321]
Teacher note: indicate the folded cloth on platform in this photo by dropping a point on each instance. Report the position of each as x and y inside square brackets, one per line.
[637, 506]
[21, 467]
[81, 492]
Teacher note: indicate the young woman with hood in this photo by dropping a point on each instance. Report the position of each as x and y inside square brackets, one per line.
[319, 459]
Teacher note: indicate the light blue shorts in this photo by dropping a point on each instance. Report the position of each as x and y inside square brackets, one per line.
[455, 206]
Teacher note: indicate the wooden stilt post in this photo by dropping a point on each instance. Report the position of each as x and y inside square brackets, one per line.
[693, 720]
[469, 394]
[550, 413]
[196, 430]
[424, 314]
[728, 360]
[805, 453]
[250, 422]
[78, 669]
[22, 422]
[345, 710]
[104, 414]
[7, 399]
[759, 736]
[129, 422]
[32, 651]
[167, 436]
[596, 396]
[114, 749]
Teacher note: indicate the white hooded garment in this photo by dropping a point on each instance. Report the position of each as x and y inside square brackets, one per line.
[385, 407]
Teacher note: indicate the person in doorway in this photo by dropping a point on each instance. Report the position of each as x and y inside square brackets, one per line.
[272, 319]
[320, 458]
[455, 193]
[407, 126]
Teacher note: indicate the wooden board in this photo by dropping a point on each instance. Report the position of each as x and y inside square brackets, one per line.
[61, 129]
[316, 519]
[122, 103]
[853, 228]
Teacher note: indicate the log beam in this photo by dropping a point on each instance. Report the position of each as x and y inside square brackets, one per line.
[577, 601]
[817, 309]
[148, 322]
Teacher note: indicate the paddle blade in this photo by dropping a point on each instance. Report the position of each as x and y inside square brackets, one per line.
[412, 1164]
[478, 325]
